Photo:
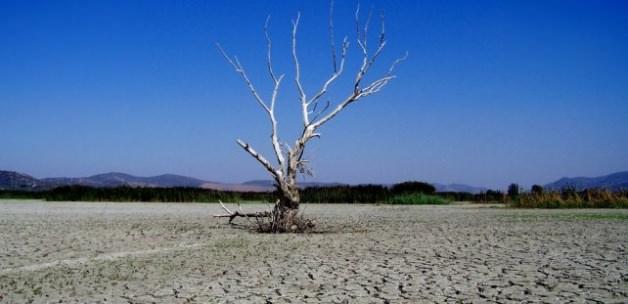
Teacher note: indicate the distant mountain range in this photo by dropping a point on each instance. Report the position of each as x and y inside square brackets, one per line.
[616, 181]
[10, 180]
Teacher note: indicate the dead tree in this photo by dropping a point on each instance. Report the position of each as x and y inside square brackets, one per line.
[289, 159]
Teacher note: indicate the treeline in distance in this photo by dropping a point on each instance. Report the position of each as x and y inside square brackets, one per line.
[332, 194]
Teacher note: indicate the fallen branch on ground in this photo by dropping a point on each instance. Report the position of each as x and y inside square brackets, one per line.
[238, 213]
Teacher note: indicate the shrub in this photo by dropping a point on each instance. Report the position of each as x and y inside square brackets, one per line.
[457, 196]
[537, 189]
[513, 191]
[417, 199]
[569, 198]
[490, 196]
[413, 187]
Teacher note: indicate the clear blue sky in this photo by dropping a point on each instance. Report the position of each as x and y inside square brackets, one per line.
[493, 91]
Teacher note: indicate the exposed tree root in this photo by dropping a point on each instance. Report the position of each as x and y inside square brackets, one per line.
[277, 220]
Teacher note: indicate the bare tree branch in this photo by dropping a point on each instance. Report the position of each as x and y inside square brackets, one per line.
[339, 107]
[305, 168]
[268, 53]
[366, 26]
[343, 55]
[381, 44]
[366, 61]
[238, 68]
[271, 113]
[337, 71]
[277, 174]
[319, 113]
[395, 63]
[297, 67]
[365, 56]
[239, 213]
[372, 88]
[274, 137]
[375, 86]
[270, 110]
[357, 21]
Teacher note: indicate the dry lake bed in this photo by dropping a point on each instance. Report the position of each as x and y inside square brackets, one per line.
[177, 253]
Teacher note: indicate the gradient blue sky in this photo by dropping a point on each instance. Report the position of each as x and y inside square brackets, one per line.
[493, 91]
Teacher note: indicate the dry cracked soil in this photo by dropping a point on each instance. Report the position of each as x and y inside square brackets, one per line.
[177, 253]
